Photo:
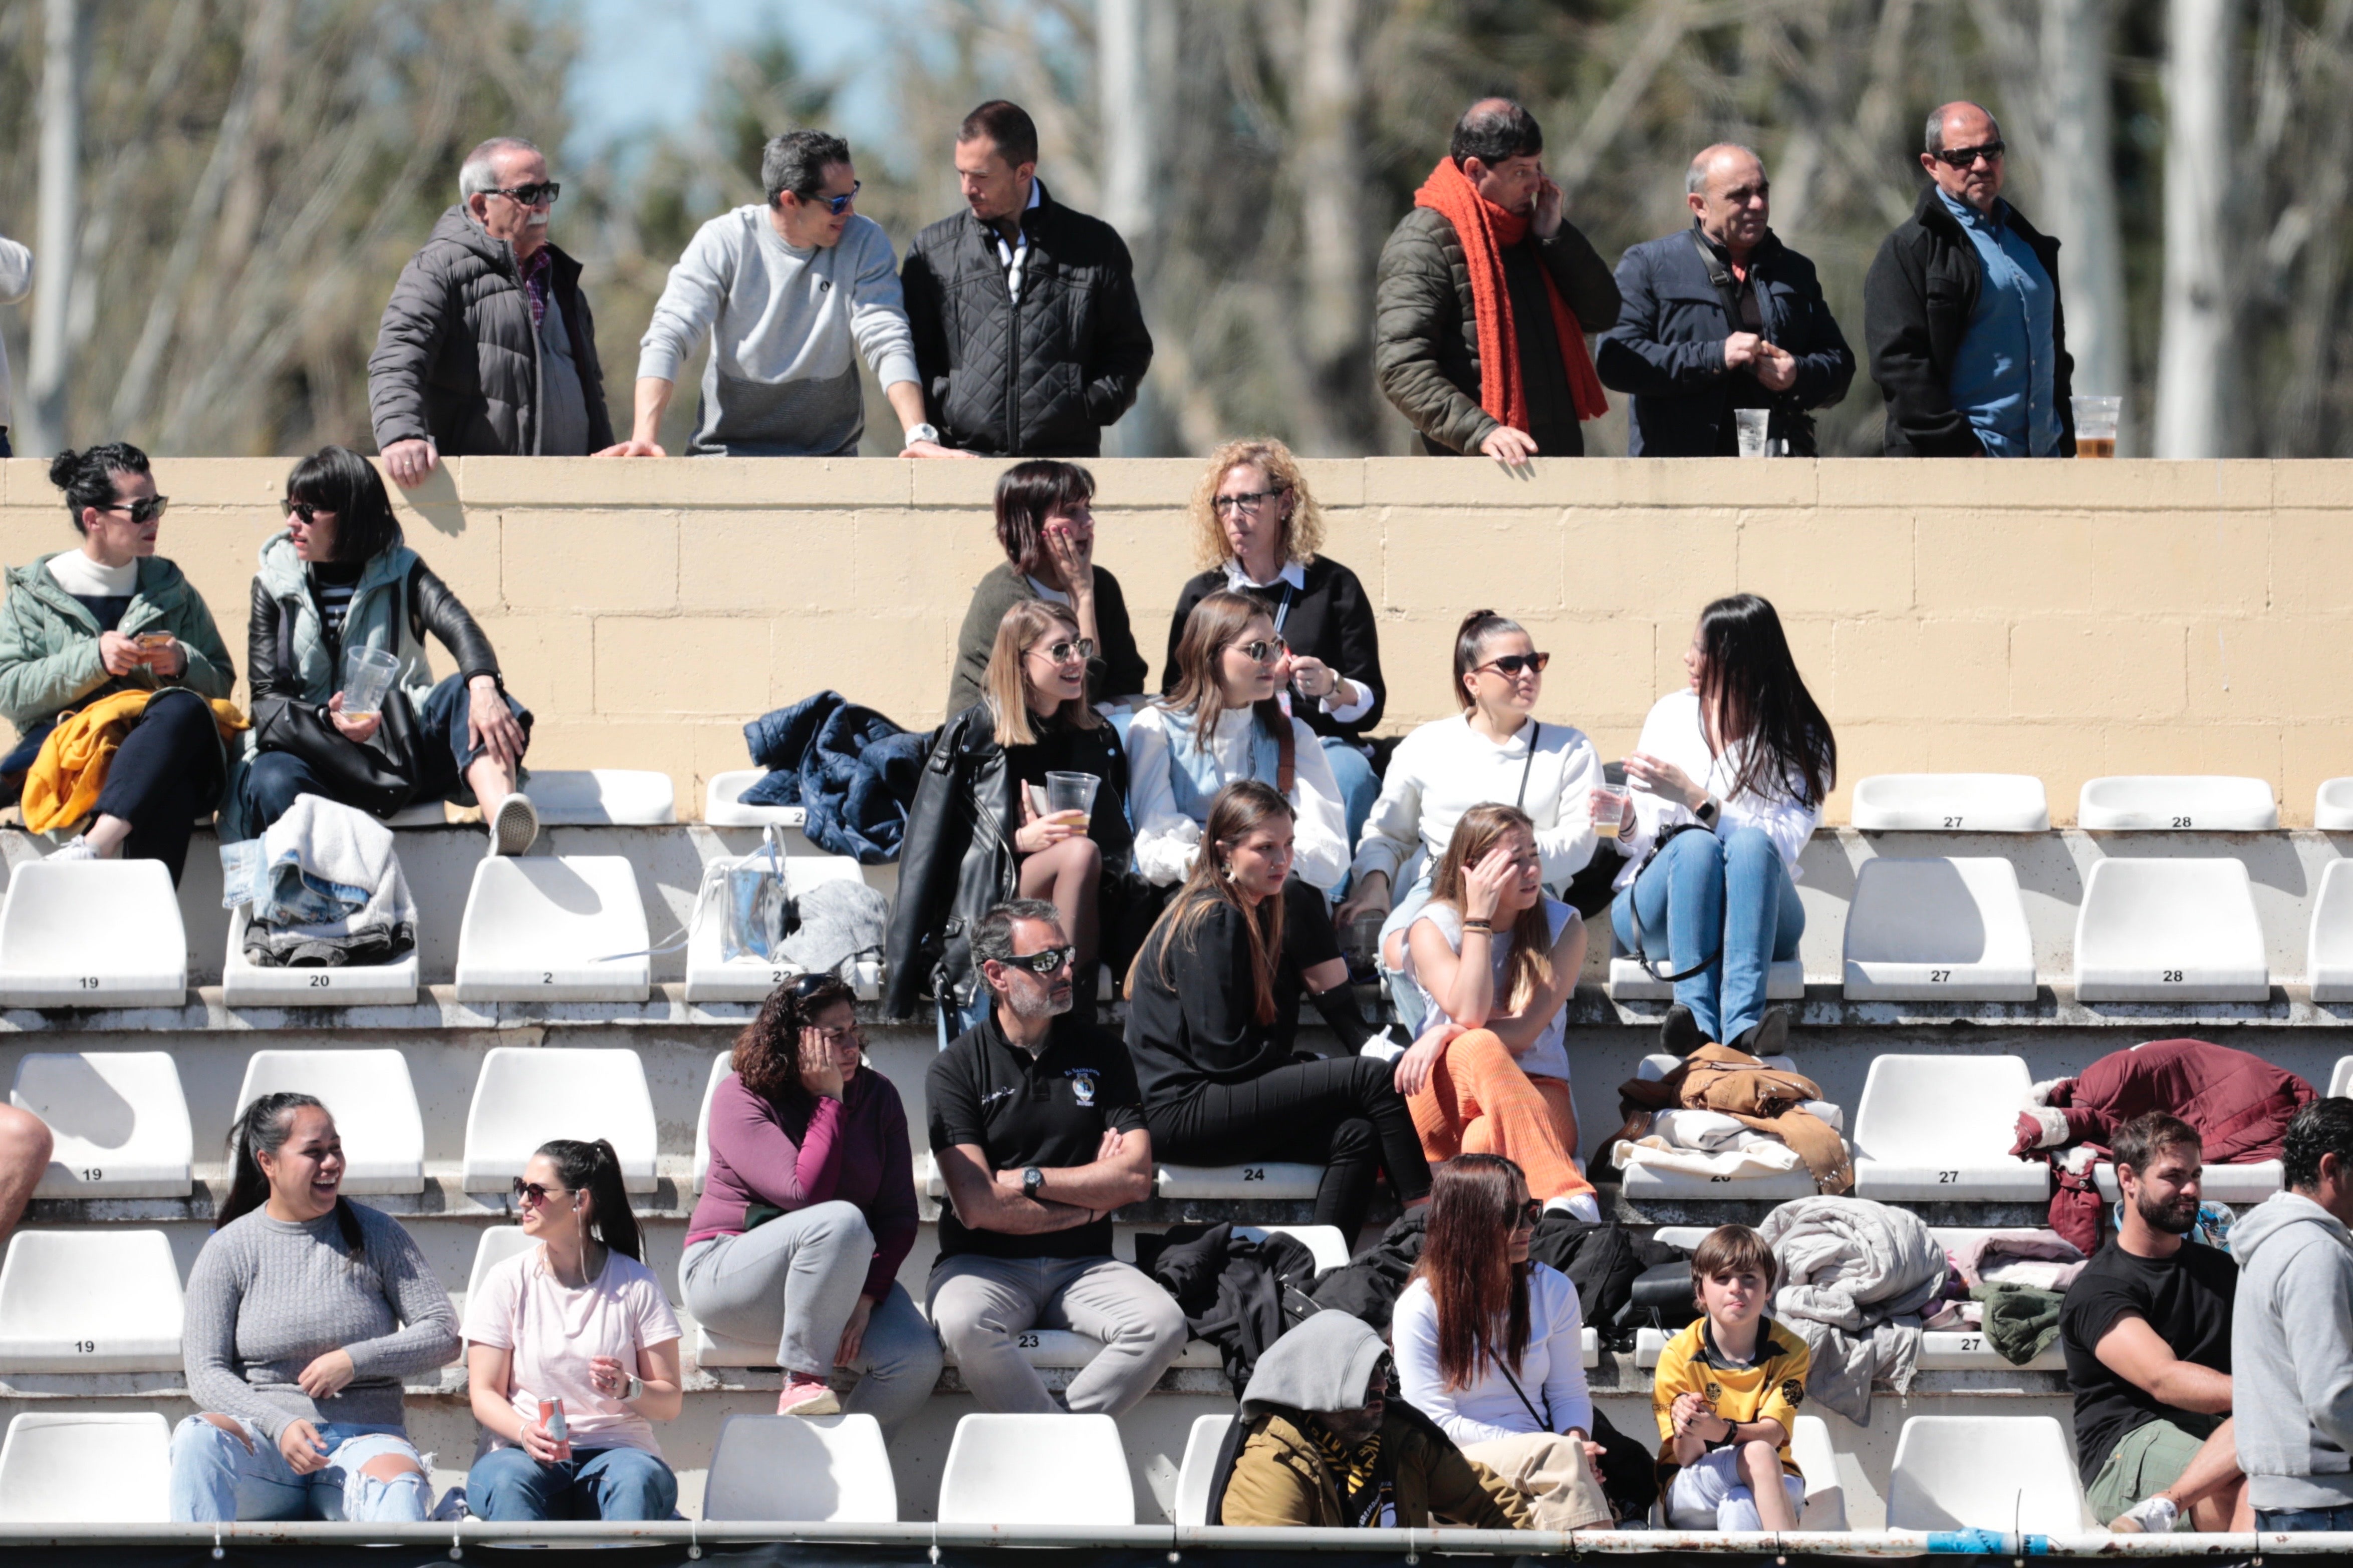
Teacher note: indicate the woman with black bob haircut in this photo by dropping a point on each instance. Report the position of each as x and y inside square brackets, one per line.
[81, 625]
[579, 1319]
[305, 1314]
[1210, 1001]
[1046, 525]
[1728, 783]
[339, 577]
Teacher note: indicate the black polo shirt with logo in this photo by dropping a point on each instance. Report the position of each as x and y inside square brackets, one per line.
[1050, 1112]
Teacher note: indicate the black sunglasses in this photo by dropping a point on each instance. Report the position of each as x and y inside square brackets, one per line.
[803, 987]
[146, 508]
[304, 509]
[1069, 649]
[1962, 157]
[1530, 1212]
[1044, 961]
[531, 195]
[532, 1193]
[1512, 663]
[1263, 651]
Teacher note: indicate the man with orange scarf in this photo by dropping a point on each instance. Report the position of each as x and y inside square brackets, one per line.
[1484, 297]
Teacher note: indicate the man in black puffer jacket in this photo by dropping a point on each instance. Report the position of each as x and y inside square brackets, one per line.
[1027, 330]
[486, 345]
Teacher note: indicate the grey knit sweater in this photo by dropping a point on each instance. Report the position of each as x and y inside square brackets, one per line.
[266, 1298]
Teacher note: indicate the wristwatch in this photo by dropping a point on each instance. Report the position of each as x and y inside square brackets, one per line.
[1034, 1181]
[1707, 811]
[922, 432]
[637, 1387]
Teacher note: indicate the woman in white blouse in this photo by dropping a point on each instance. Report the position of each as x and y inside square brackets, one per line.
[1728, 782]
[1490, 1345]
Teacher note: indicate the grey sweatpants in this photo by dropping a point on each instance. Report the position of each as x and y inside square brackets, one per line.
[793, 1283]
[981, 1305]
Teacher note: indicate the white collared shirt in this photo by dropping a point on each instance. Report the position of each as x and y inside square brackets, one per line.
[1293, 576]
[1014, 257]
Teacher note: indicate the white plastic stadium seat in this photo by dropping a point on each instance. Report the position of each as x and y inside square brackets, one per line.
[2332, 806]
[1932, 1128]
[1810, 1445]
[1199, 1469]
[711, 978]
[528, 1095]
[1643, 1181]
[2169, 931]
[723, 803]
[248, 985]
[1588, 1346]
[827, 1469]
[1938, 929]
[2203, 802]
[369, 1094]
[554, 929]
[602, 797]
[498, 1243]
[118, 1123]
[2340, 1081]
[1629, 982]
[1986, 1472]
[82, 1467]
[1037, 1469]
[722, 1070]
[1275, 1179]
[1951, 802]
[424, 813]
[89, 1302]
[92, 933]
[2329, 965]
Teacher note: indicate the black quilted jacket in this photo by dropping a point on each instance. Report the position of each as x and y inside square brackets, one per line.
[1037, 379]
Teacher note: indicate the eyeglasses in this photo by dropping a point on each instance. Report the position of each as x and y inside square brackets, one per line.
[1512, 663]
[1264, 651]
[1249, 501]
[1068, 650]
[531, 195]
[1044, 961]
[837, 206]
[305, 510]
[1962, 157]
[531, 1194]
[147, 508]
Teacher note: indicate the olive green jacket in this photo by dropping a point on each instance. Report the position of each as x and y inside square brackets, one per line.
[49, 642]
[1280, 1479]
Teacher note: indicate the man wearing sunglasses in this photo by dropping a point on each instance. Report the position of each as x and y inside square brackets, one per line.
[487, 346]
[791, 291]
[1037, 1129]
[1961, 311]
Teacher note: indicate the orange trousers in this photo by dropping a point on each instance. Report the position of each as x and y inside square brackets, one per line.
[1478, 1101]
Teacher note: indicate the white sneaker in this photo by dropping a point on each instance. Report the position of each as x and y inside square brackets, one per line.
[2151, 1516]
[76, 848]
[1577, 1206]
[515, 826]
[1383, 1046]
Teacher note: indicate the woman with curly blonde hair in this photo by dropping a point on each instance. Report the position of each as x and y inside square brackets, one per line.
[1257, 529]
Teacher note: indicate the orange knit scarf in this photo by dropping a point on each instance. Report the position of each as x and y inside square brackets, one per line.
[1486, 229]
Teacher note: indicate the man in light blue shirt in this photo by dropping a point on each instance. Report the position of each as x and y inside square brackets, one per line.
[1961, 311]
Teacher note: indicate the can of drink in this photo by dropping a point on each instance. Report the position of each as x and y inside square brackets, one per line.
[550, 1416]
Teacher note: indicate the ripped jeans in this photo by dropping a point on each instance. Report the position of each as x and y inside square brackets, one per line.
[216, 1476]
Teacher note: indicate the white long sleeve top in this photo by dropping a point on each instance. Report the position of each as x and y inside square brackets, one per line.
[1672, 733]
[1445, 767]
[16, 282]
[1168, 840]
[1551, 1373]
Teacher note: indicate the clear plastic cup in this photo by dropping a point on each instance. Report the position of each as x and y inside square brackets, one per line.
[367, 676]
[1071, 792]
[1752, 424]
[1612, 798]
[2095, 425]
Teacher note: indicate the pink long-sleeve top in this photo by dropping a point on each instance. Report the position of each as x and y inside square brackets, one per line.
[853, 1149]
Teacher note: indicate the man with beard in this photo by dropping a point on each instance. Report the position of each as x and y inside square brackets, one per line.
[2147, 1330]
[1038, 1131]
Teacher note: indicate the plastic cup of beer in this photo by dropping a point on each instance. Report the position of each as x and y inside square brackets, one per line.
[367, 676]
[1751, 424]
[1071, 792]
[2095, 425]
[1609, 799]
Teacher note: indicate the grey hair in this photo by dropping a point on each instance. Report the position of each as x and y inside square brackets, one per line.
[797, 162]
[1696, 180]
[1933, 140]
[992, 935]
[474, 175]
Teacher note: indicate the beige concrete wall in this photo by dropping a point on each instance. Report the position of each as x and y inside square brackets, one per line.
[2063, 619]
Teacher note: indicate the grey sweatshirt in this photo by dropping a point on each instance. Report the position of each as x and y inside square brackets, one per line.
[782, 380]
[2290, 1355]
[267, 1299]
[1325, 1363]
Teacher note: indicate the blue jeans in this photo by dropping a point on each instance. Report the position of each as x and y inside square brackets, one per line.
[594, 1483]
[220, 1477]
[443, 755]
[1359, 786]
[2303, 1520]
[1727, 899]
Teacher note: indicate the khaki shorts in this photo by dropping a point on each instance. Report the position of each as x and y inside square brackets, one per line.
[2145, 1461]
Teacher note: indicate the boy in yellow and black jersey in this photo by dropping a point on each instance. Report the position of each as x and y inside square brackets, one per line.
[1726, 1396]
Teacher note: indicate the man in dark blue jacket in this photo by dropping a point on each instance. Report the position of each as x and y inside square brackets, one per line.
[1722, 316]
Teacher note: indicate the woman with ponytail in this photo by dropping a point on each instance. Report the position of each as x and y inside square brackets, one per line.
[579, 1319]
[305, 1312]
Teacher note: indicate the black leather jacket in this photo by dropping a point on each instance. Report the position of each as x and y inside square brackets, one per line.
[432, 609]
[957, 858]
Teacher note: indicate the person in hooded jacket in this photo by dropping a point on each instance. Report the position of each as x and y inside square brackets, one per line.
[486, 345]
[2292, 1330]
[113, 615]
[975, 836]
[1323, 1442]
[340, 576]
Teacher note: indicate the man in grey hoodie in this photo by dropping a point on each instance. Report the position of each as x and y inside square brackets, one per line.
[2292, 1332]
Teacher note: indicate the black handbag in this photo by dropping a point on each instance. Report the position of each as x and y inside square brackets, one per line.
[379, 776]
